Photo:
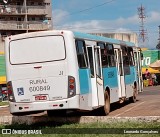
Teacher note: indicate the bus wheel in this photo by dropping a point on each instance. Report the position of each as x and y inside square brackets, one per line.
[133, 99]
[51, 113]
[107, 103]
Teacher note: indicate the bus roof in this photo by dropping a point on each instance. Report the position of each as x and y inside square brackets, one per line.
[101, 38]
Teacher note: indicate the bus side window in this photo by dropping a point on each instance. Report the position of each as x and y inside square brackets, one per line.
[81, 54]
[110, 54]
[90, 56]
[125, 56]
[104, 57]
[131, 56]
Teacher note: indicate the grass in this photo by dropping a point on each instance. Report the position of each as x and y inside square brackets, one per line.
[87, 130]
[4, 103]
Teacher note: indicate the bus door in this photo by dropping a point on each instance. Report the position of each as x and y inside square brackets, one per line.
[120, 68]
[137, 56]
[94, 55]
[140, 71]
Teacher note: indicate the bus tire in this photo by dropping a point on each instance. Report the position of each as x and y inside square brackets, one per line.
[51, 113]
[133, 99]
[107, 103]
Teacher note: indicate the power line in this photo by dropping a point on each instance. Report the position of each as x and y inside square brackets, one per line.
[87, 9]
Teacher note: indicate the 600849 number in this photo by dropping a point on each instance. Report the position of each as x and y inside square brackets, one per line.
[39, 88]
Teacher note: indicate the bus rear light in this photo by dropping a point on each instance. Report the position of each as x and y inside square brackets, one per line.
[11, 98]
[10, 92]
[9, 88]
[71, 93]
[55, 105]
[26, 107]
[8, 85]
[71, 80]
[71, 86]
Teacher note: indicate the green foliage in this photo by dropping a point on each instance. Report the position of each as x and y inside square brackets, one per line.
[4, 103]
[63, 128]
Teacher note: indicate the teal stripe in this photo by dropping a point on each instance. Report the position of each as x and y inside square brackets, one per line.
[110, 77]
[85, 81]
[129, 79]
[101, 38]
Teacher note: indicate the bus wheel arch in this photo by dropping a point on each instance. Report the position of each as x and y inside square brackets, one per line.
[107, 101]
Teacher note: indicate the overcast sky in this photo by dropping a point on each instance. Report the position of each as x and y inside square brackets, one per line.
[107, 16]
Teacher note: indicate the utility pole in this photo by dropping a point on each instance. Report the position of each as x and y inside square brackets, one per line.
[142, 17]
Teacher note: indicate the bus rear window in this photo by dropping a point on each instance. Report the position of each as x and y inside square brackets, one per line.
[37, 50]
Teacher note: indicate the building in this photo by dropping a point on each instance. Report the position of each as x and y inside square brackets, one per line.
[131, 37]
[22, 16]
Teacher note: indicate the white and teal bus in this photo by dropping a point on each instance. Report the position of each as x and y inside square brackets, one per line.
[61, 70]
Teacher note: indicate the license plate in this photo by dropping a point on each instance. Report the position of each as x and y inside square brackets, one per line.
[40, 97]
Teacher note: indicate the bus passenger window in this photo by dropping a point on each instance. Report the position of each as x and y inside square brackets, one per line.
[126, 59]
[110, 55]
[131, 56]
[81, 54]
[90, 56]
[104, 57]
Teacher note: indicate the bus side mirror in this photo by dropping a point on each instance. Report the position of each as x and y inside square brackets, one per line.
[141, 56]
